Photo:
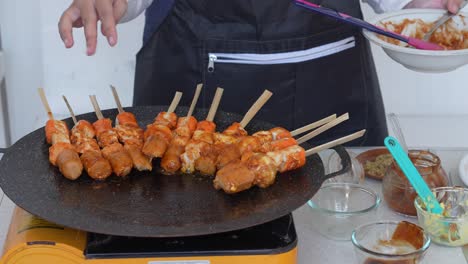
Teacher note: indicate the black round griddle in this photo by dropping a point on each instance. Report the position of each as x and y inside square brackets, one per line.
[150, 204]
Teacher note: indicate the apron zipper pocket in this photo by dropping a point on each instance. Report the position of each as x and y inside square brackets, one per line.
[280, 58]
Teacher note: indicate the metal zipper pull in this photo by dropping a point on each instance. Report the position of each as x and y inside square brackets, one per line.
[212, 59]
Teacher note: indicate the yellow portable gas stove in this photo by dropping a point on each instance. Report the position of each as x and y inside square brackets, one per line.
[33, 240]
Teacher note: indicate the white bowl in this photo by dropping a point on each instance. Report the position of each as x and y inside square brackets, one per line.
[463, 170]
[415, 59]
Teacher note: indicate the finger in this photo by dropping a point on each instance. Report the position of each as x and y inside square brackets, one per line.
[106, 14]
[66, 25]
[89, 18]
[453, 5]
[120, 8]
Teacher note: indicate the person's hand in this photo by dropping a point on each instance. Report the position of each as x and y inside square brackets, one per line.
[450, 5]
[86, 13]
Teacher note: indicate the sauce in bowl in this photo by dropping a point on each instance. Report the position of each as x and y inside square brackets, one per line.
[449, 35]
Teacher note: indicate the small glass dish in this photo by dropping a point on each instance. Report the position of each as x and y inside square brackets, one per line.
[355, 175]
[338, 208]
[450, 228]
[375, 162]
[375, 243]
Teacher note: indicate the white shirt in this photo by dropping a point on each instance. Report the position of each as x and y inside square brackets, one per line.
[136, 7]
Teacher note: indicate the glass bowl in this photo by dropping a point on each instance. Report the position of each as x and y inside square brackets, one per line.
[355, 175]
[338, 208]
[450, 228]
[374, 243]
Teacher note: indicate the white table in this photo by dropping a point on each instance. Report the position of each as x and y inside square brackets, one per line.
[313, 247]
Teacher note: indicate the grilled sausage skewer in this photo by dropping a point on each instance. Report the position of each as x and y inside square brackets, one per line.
[198, 153]
[82, 137]
[131, 135]
[113, 151]
[279, 137]
[261, 168]
[61, 153]
[225, 142]
[171, 162]
[158, 135]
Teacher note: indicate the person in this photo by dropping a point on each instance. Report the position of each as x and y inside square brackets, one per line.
[314, 65]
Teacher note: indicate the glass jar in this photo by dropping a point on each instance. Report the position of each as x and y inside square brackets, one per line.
[398, 192]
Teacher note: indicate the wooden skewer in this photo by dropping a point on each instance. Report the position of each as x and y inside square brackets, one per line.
[335, 142]
[96, 107]
[313, 125]
[194, 100]
[255, 108]
[117, 99]
[70, 109]
[323, 128]
[175, 102]
[45, 103]
[215, 104]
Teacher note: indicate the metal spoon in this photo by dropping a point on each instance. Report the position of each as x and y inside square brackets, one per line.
[398, 132]
[448, 15]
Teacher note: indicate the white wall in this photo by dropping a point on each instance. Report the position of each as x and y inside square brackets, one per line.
[35, 57]
[23, 64]
[76, 75]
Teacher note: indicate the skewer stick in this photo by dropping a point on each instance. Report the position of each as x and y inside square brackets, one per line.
[96, 107]
[194, 100]
[70, 109]
[45, 103]
[117, 99]
[175, 102]
[215, 104]
[313, 125]
[335, 142]
[255, 108]
[323, 128]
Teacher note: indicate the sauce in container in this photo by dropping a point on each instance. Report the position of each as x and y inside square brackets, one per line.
[398, 192]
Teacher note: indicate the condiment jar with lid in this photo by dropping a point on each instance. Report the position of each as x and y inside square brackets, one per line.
[398, 192]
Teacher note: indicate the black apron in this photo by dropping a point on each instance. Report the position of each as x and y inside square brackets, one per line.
[315, 66]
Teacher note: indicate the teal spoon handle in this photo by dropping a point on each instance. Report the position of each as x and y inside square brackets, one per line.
[418, 183]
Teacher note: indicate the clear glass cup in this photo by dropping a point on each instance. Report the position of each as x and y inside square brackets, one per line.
[370, 247]
[450, 228]
[398, 192]
[338, 208]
